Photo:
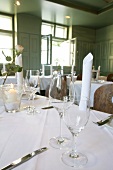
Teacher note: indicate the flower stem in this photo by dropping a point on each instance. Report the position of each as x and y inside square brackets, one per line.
[5, 79]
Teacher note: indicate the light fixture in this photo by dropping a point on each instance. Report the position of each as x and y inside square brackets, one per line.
[17, 3]
[67, 17]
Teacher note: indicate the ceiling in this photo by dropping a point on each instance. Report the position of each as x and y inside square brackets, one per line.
[87, 13]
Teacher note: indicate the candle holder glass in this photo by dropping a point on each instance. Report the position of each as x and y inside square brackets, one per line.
[11, 94]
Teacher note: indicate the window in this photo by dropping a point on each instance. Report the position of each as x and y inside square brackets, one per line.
[47, 29]
[57, 31]
[6, 36]
[61, 32]
[5, 22]
[59, 55]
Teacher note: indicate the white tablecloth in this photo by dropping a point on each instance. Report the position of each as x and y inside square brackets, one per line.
[94, 87]
[45, 81]
[21, 134]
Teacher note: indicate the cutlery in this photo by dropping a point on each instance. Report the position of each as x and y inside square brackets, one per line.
[48, 107]
[24, 159]
[104, 121]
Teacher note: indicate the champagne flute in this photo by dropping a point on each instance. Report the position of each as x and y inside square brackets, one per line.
[31, 84]
[76, 118]
[61, 99]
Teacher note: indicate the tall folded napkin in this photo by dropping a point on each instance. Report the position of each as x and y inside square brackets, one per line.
[19, 75]
[86, 79]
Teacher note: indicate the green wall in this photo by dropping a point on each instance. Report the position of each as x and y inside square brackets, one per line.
[29, 36]
[99, 42]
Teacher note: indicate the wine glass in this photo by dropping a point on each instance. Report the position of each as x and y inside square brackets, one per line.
[76, 118]
[30, 88]
[60, 98]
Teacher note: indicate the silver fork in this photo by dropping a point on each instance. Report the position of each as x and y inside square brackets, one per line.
[104, 121]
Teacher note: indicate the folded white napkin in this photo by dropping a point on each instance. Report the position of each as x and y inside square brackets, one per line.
[19, 75]
[86, 79]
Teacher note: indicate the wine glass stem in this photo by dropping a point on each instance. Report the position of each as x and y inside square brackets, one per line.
[60, 126]
[74, 149]
[61, 139]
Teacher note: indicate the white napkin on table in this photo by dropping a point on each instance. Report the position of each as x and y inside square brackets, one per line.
[86, 79]
[19, 75]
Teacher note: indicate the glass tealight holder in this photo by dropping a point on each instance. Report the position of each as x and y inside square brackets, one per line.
[12, 94]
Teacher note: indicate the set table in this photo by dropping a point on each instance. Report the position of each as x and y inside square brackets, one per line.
[21, 134]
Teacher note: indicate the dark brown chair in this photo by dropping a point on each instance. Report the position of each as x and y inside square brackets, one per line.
[110, 77]
[47, 91]
[79, 77]
[54, 92]
[103, 99]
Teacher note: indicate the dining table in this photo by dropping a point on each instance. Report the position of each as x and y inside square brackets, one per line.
[94, 86]
[22, 133]
[44, 81]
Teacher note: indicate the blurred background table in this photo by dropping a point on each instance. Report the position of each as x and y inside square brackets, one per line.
[94, 86]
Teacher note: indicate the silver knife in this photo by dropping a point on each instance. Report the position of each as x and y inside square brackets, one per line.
[24, 159]
[48, 107]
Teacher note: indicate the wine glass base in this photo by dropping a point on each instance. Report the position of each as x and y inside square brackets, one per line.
[31, 110]
[78, 161]
[59, 142]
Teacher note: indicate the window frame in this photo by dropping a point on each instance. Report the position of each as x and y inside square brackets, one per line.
[12, 32]
[54, 31]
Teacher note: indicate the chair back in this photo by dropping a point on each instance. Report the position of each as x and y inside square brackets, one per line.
[103, 99]
[110, 77]
[79, 77]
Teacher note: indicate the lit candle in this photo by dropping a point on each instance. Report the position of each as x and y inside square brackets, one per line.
[12, 94]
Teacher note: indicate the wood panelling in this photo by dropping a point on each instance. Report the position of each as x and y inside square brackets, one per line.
[110, 62]
[83, 34]
[29, 35]
[83, 48]
[111, 48]
[34, 51]
[24, 41]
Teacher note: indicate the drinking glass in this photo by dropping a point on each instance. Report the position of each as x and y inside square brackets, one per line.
[76, 118]
[32, 78]
[60, 98]
[11, 94]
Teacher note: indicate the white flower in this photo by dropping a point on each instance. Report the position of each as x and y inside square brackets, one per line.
[19, 49]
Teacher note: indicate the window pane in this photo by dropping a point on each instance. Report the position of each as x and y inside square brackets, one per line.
[61, 53]
[6, 46]
[44, 52]
[61, 32]
[5, 22]
[47, 29]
